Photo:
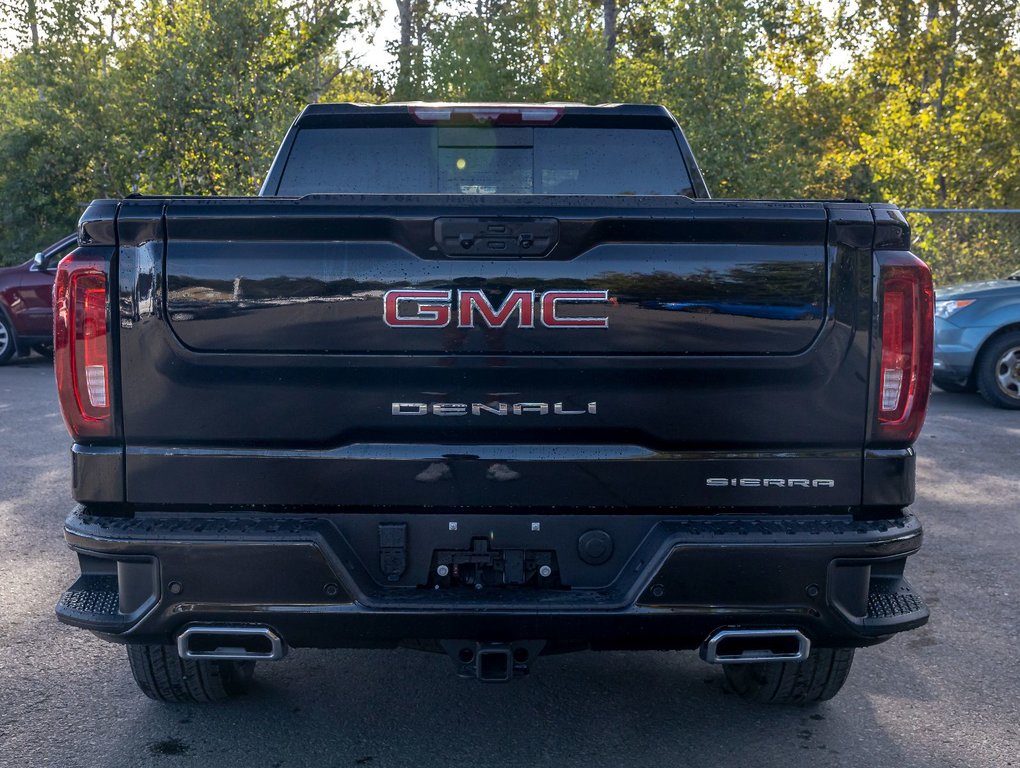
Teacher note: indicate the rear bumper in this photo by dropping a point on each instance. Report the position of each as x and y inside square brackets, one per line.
[317, 580]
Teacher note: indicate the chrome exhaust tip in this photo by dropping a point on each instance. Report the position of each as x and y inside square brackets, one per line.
[230, 644]
[752, 646]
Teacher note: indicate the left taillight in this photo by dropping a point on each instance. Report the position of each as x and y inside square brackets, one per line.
[81, 345]
[906, 299]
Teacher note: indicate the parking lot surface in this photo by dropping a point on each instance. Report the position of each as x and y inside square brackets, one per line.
[945, 695]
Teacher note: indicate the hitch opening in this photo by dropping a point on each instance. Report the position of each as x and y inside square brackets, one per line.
[492, 662]
[494, 665]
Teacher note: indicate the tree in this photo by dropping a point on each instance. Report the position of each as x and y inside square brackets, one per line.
[59, 145]
[609, 28]
[924, 109]
[214, 85]
[937, 113]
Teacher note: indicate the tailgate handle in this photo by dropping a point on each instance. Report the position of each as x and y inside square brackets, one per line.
[466, 238]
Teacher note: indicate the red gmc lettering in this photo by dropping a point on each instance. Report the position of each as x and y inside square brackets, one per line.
[552, 298]
[435, 309]
[522, 301]
[430, 313]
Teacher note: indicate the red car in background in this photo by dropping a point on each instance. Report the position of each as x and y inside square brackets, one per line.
[26, 302]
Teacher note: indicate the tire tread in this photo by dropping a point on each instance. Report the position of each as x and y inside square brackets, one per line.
[163, 675]
[818, 678]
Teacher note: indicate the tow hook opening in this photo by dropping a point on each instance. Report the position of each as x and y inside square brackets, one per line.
[747, 646]
[493, 662]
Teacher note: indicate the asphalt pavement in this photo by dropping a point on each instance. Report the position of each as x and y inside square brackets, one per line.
[945, 695]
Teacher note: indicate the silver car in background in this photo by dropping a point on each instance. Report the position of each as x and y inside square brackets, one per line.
[977, 340]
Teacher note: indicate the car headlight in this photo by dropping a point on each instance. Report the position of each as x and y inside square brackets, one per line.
[949, 307]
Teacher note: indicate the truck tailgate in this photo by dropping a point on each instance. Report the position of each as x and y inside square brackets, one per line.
[409, 351]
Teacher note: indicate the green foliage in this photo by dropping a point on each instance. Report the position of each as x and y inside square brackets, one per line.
[902, 100]
[213, 85]
[935, 125]
[54, 152]
[961, 247]
[164, 97]
[571, 49]
[471, 55]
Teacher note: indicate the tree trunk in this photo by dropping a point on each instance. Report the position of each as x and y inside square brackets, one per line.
[33, 24]
[949, 62]
[946, 73]
[609, 28]
[404, 59]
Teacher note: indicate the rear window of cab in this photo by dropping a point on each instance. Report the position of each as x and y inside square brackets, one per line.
[485, 161]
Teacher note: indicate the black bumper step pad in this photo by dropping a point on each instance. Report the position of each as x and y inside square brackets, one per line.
[92, 600]
[894, 602]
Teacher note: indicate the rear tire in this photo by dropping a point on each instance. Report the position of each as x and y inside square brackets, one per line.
[164, 676]
[8, 339]
[998, 371]
[818, 678]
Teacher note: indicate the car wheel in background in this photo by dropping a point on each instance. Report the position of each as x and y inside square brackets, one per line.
[8, 343]
[998, 371]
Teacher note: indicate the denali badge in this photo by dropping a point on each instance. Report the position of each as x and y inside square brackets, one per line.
[768, 482]
[495, 409]
[438, 309]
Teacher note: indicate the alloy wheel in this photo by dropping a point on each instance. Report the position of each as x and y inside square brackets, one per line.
[1007, 372]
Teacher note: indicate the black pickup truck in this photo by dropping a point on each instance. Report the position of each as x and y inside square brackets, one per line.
[494, 381]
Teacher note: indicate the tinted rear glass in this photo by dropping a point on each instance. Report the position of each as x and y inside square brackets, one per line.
[520, 160]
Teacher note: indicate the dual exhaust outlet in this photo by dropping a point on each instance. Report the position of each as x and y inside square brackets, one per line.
[230, 643]
[753, 646]
[493, 662]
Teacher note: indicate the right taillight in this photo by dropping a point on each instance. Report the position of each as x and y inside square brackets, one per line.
[907, 302]
[81, 345]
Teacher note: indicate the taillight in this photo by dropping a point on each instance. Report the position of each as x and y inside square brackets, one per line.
[907, 301]
[81, 345]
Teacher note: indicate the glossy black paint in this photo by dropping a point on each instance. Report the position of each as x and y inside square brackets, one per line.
[263, 388]
[225, 291]
[97, 473]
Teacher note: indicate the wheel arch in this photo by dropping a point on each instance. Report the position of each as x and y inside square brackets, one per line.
[980, 368]
[6, 312]
[989, 340]
[10, 323]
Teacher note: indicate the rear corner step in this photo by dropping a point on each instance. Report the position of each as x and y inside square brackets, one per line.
[95, 602]
[893, 603]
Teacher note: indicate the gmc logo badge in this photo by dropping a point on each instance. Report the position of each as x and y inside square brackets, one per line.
[524, 309]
